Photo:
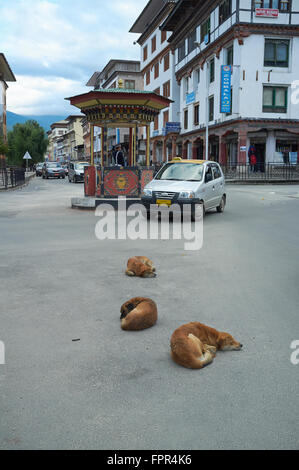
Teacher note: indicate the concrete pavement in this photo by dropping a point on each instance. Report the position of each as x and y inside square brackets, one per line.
[117, 390]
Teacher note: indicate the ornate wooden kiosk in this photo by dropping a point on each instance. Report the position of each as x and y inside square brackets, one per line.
[119, 108]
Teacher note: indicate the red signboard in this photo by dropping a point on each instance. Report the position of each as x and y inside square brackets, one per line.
[266, 12]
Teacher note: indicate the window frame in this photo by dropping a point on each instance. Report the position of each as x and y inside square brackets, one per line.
[205, 28]
[211, 109]
[186, 119]
[261, 3]
[196, 114]
[226, 5]
[166, 89]
[275, 62]
[274, 108]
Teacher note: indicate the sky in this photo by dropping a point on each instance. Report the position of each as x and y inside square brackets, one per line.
[54, 46]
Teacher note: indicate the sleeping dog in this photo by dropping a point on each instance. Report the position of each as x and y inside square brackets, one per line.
[138, 314]
[195, 345]
[140, 266]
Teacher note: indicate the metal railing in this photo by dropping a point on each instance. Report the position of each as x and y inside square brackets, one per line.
[11, 177]
[261, 172]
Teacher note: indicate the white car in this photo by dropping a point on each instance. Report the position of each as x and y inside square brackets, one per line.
[76, 172]
[187, 182]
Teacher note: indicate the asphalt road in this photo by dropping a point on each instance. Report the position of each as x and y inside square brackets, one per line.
[118, 390]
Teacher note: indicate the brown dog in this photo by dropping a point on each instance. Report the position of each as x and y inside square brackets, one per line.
[194, 345]
[140, 266]
[138, 314]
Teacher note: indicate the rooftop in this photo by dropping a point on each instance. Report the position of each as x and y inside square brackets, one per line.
[6, 73]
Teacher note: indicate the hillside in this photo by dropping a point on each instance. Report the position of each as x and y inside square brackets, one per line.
[44, 121]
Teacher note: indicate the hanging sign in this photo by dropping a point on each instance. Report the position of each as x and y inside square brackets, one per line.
[226, 99]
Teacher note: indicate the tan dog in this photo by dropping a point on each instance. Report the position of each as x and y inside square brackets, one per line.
[138, 314]
[140, 266]
[194, 345]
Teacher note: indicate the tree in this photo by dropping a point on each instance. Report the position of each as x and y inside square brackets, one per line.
[29, 137]
[3, 147]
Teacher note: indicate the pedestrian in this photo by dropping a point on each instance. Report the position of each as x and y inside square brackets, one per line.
[120, 159]
[252, 157]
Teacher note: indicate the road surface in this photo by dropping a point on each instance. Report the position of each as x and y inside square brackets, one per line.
[117, 390]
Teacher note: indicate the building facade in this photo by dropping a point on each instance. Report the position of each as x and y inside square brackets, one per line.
[259, 42]
[6, 75]
[128, 72]
[56, 140]
[158, 70]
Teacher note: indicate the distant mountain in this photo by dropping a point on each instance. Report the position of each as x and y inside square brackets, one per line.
[44, 121]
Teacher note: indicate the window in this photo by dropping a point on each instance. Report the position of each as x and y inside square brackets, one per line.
[181, 51]
[212, 70]
[216, 172]
[196, 77]
[144, 53]
[276, 53]
[156, 123]
[130, 84]
[186, 85]
[154, 44]
[275, 99]
[165, 118]
[192, 41]
[196, 114]
[225, 10]
[148, 77]
[211, 108]
[156, 70]
[186, 119]
[205, 30]
[163, 36]
[281, 5]
[230, 55]
[166, 89]
[166, 62]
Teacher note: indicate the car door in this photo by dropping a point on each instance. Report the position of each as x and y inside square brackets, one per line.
[218, 185]
[209, 187]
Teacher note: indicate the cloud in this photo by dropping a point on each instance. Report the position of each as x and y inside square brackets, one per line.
[51, 43]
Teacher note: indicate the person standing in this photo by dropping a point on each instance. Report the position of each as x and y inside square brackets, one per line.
[252, 157]
[120, 159]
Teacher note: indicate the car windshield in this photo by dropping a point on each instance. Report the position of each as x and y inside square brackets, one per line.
[181, 172]
[53, 165]
[80, 166]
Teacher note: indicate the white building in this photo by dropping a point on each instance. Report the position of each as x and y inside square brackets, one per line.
[260, 40]
[157, 67]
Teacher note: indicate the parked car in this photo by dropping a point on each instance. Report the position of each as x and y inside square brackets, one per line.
[187, 182]
[76, 171]
[39, 169]
[53, 170]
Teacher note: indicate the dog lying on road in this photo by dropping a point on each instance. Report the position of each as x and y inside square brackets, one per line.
[195, 345]
[140, 266]
[138, 314]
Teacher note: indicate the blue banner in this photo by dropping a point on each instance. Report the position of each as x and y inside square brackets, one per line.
[226, 98]
[190, 98]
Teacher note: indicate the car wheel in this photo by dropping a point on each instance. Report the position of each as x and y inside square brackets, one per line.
[74, 179]
[221, 207]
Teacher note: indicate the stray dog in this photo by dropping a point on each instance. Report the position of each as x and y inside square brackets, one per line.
[195, 345]
[140, 266]
[138, 314]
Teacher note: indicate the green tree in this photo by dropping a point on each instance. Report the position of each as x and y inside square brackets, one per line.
[3, 147]
[29, 137]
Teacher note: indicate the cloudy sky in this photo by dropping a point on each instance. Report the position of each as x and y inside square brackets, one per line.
[54, 46]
